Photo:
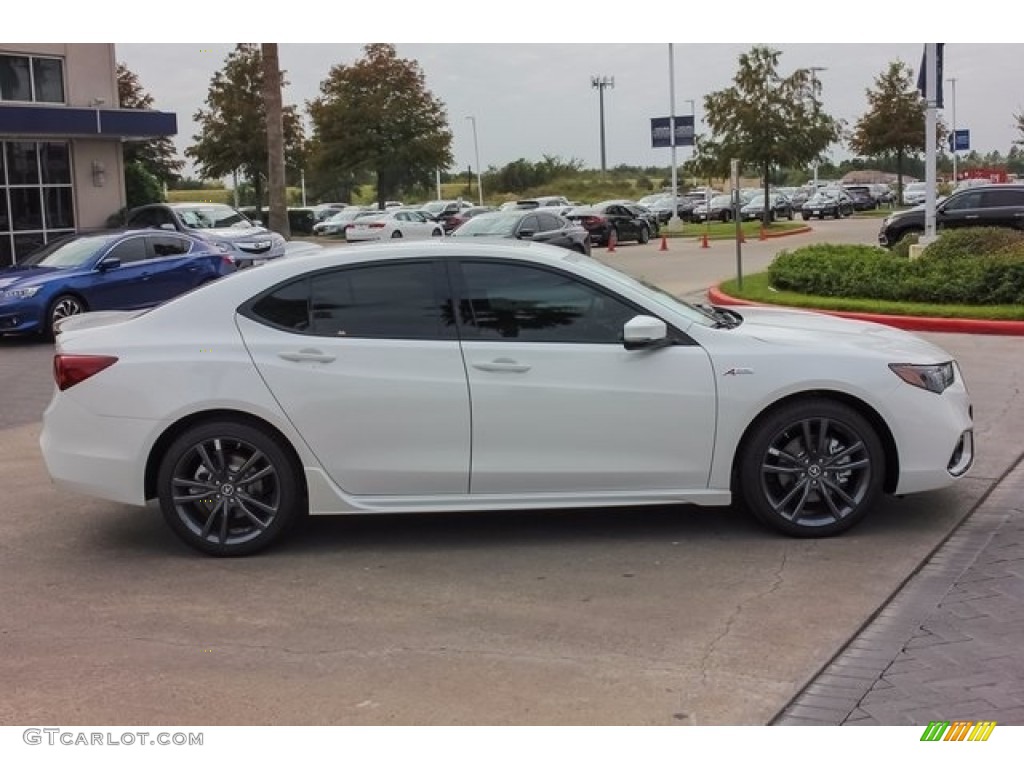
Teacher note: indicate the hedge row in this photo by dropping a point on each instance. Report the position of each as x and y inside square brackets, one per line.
[979, 266]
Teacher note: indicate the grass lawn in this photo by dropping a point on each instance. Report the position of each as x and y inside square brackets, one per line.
[718, 230]
[756, 288]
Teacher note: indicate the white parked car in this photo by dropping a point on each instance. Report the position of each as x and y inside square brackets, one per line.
[443, 376]
[335, 225]
[915, 192]
[393, 224]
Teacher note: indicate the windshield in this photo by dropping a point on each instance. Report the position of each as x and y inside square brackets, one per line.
[62, 254]
[493, 224]
[211, 217]
[656, 294]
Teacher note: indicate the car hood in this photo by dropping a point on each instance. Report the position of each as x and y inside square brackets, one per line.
[236, 234]
[12, 276]
[796, 328]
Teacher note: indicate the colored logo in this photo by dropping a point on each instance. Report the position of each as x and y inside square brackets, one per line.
[958, 730]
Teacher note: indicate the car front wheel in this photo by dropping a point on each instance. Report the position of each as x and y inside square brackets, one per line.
[227, 488]
[811, 468]
[63, 306]
[644, 236]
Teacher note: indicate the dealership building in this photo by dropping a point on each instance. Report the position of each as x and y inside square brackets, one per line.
[61, 136]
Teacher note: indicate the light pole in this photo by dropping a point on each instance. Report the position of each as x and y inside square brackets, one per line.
[602, 82]
[952, 146]
[674, 219]
[693, 114]
[815, 87]
[476, 155]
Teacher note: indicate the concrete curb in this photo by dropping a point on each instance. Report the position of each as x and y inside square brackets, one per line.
[767, 235]
[906, 322]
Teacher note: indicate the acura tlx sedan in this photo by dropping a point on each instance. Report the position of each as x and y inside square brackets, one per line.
[441, 376]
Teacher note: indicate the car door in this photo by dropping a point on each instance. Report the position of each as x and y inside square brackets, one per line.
[962, 210]
[126, 286]
[624, 221]
[172, 270]
[1003, 207]
[364, 361]
[550, 229]
[559, 405]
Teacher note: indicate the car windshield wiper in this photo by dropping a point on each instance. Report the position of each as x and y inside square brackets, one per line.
[724, 318]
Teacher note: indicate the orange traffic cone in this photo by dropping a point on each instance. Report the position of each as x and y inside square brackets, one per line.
[664, 243]
[704, 241]
[611, 241]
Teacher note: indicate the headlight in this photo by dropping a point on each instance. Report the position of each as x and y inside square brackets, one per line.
[934, 378]
[22, 293]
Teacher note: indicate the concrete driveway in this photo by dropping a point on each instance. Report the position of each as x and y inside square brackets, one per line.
[671, 616]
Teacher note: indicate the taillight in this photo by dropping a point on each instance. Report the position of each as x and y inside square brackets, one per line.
[592, 221]
[69, 370]
[227, 261]
[377, 225]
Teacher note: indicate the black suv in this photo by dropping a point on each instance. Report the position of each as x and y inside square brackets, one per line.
[996, 205]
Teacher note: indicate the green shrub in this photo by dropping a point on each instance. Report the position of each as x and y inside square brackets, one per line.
[974, 242]
[902, 248]
[979, 267]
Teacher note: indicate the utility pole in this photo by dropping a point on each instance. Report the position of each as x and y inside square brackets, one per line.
[674, 220]
[601, 82]
[952, 81]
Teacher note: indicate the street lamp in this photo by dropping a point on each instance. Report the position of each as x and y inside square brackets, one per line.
[815, 87]
[602, 82]
[952, 146]
[476, 154]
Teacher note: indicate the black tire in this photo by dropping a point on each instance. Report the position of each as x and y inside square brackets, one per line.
[806, 216]
[396, 235]
[228, 489]
[644, 236]
[725, 216]
[437, 233]
[789, 215]
[63, 306]
[839, 213]
[811, 468]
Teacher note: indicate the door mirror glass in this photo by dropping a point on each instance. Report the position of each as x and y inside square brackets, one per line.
[109, 263]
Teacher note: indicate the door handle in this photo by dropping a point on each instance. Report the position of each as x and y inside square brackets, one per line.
[502, 365]
[306, 355]
[975, 216]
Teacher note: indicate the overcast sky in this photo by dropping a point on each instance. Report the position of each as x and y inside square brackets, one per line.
[535, 97]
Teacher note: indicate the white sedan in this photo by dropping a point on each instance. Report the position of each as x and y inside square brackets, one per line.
[393, 225]
[442, 376]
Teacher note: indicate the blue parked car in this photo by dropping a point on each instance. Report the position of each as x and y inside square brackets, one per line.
[130, 269]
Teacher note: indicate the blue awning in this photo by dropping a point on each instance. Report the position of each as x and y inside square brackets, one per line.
[75, 122]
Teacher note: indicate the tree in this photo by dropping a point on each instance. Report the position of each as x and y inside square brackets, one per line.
[233, 128]
[376, 114]
[1019, 141]
[275, 140]
[767, 120]
[895, 120]
[157, 157]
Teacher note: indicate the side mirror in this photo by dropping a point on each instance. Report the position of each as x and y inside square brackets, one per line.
[108, 264]
[168, 227]
[645, 332]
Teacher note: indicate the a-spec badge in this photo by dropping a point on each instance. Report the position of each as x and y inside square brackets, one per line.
[739, 372]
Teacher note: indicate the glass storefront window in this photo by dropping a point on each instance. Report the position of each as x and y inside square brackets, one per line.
[15, 79]
[59, 211]
[31, 78]
[22, 163]
[36, 196]
[48, 78]
[55, 160]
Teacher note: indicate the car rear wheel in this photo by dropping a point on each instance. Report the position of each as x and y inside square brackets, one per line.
[396, 234]
[725, 216]
[63, 306]
[437, 232]
[811, 468]
[228, 489]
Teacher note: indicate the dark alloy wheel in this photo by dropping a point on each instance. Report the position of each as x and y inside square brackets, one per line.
[811, 468]
[63, 306]
[645, 234]
[227, 489]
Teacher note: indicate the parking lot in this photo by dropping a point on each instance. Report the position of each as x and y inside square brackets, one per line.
[661, 616]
